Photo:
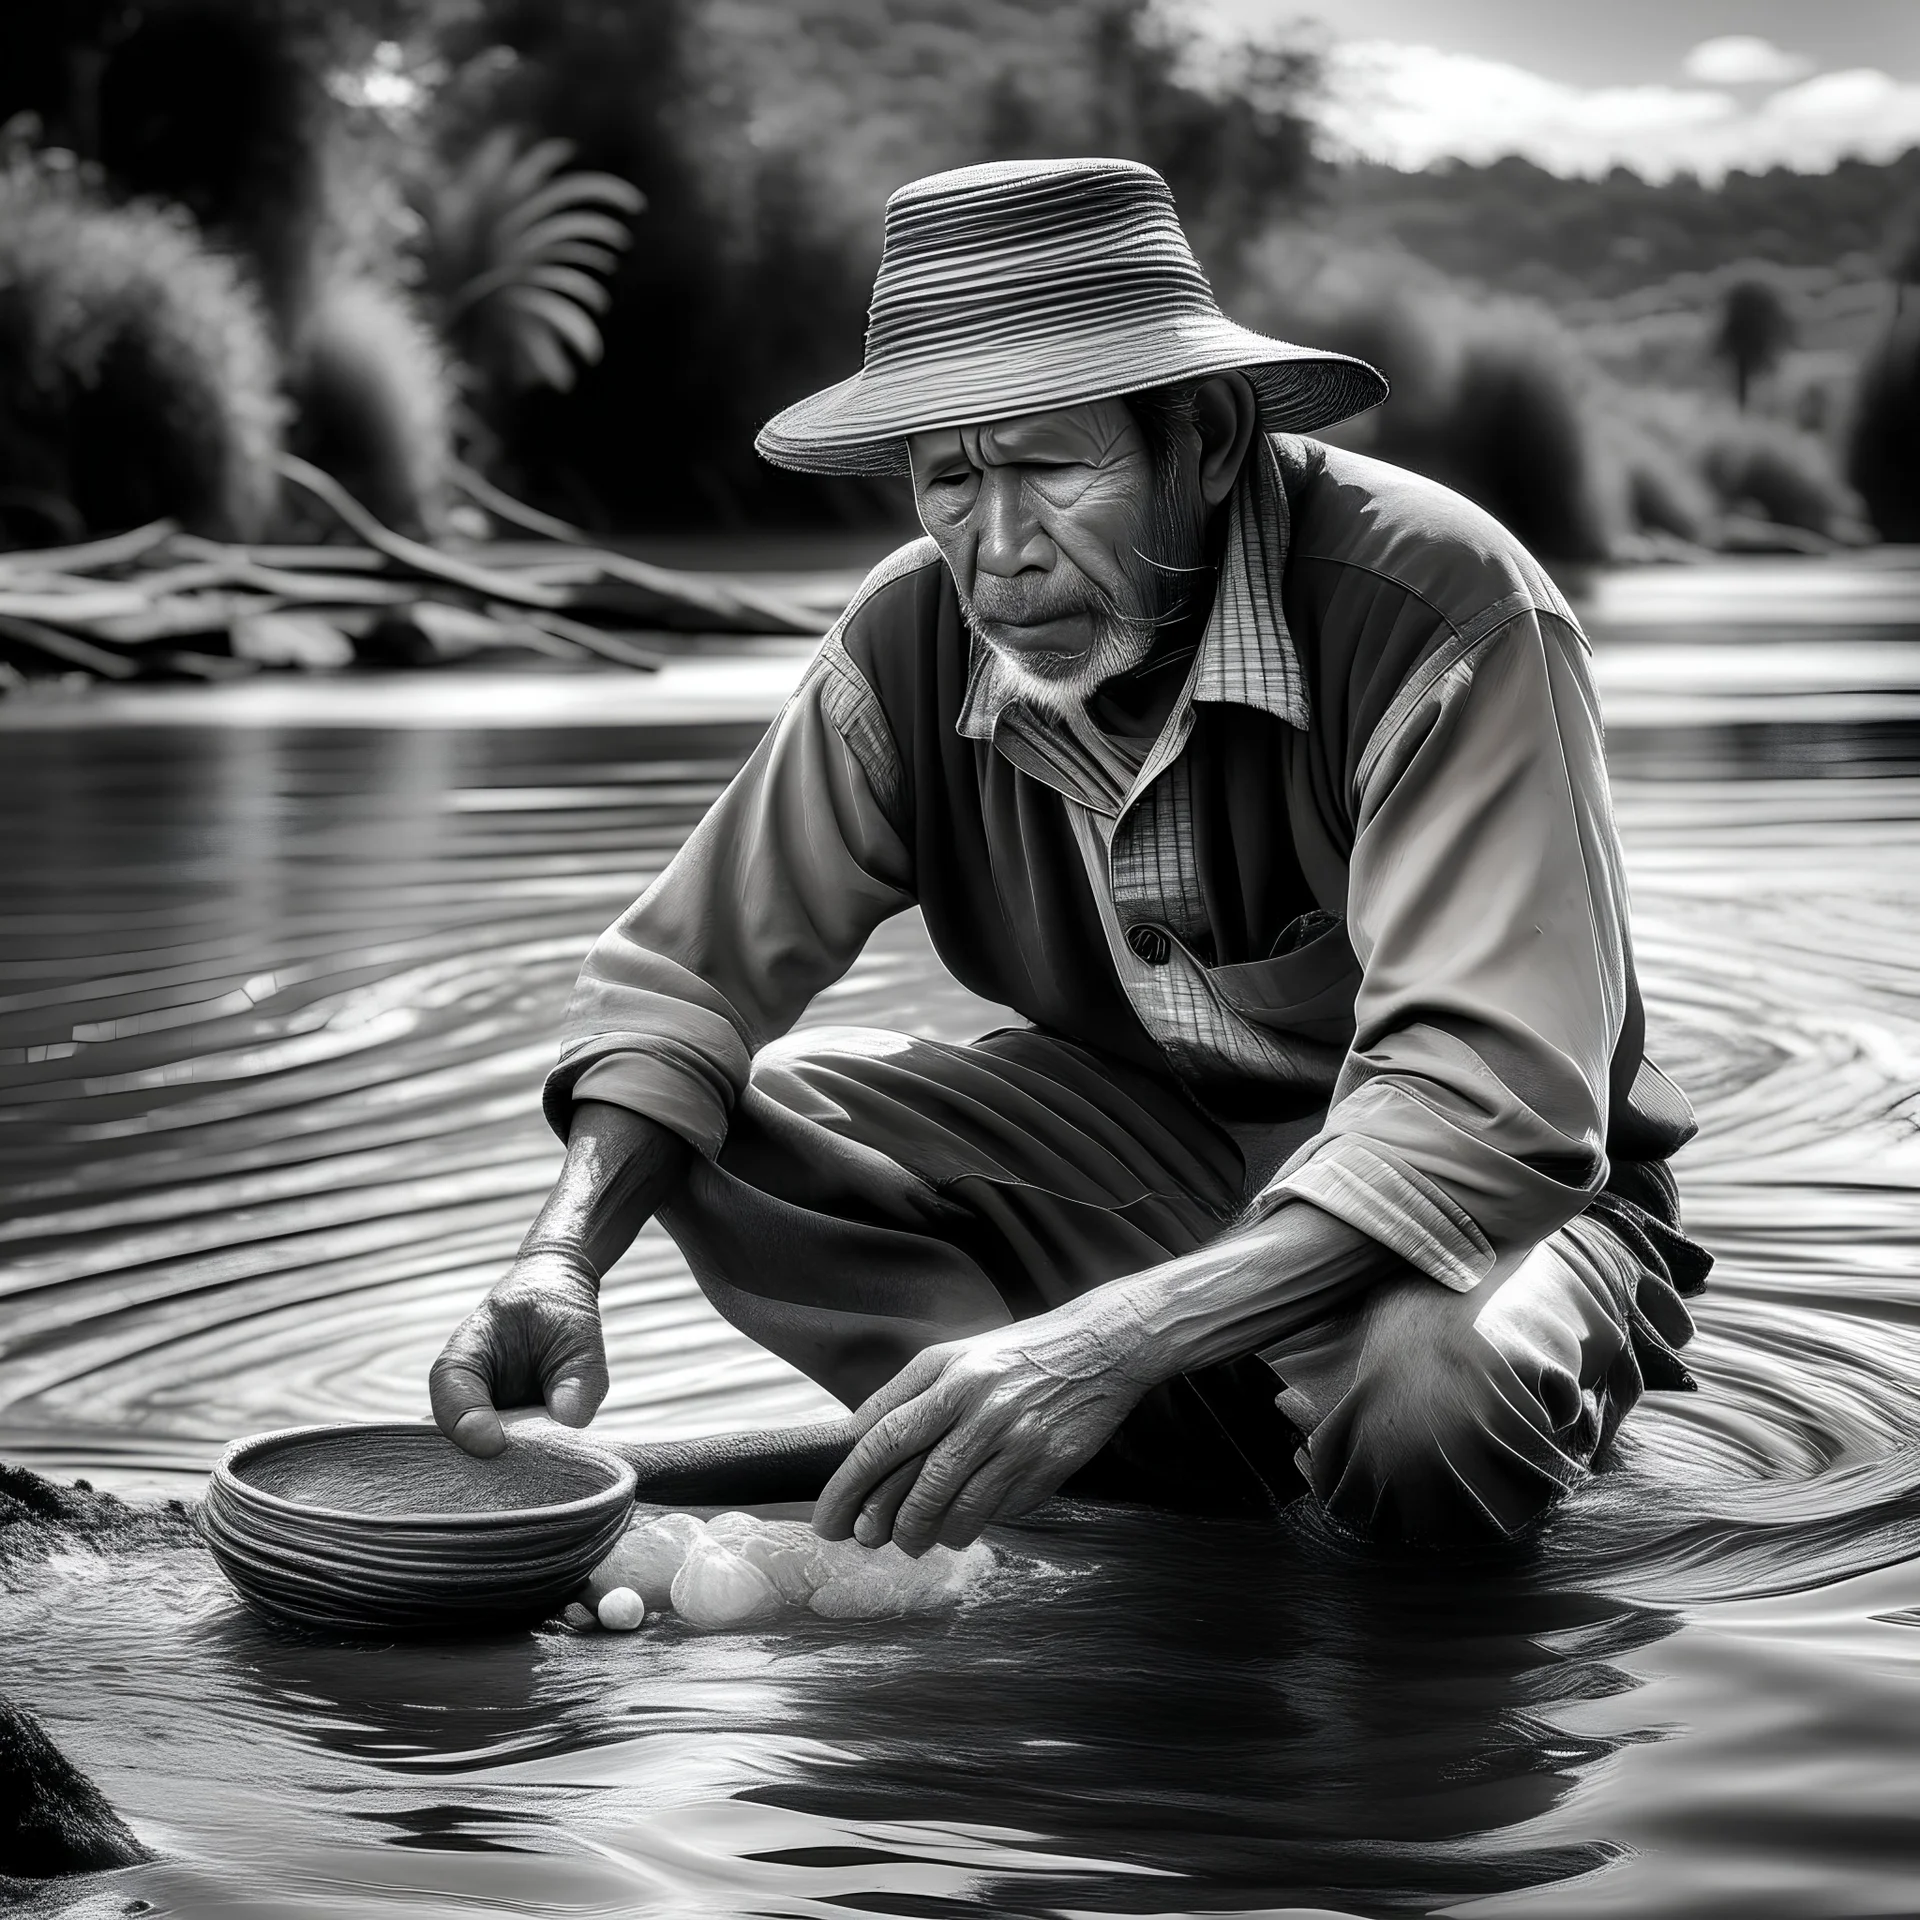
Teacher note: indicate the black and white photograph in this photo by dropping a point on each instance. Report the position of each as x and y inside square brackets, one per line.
[959, 957]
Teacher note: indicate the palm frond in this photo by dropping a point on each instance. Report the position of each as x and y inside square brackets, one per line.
[562, 315]
[517, 251]
[568, 190]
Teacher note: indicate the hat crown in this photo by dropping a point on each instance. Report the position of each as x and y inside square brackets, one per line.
[1002, 251]
[1022, 285]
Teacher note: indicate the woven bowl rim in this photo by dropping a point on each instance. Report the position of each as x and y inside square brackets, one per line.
[621, 1489]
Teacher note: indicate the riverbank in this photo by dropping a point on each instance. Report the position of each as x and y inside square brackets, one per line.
[1720, 643]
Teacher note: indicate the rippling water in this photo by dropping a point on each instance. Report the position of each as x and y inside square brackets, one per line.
[275, 998]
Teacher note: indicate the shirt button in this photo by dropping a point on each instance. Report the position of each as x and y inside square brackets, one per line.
[1150, 943]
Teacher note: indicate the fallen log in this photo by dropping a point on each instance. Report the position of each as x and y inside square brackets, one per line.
[781, 616]
[120, 607]
[64, 647]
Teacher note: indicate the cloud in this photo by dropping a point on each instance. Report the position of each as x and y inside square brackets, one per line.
[1860, 111]
[1743, 60]
[1413, 105]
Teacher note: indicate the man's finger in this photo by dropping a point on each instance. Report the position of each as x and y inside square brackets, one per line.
[891, 1444]
[460, 1390]
[900, 1436]
[874, 1525]
[575, 1381]
[909, 1383]
[992, 1494]
[951, 1469]
[575, 1398]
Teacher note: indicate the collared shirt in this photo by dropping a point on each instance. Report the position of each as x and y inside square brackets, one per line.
[1133, 811]
[1434, 743]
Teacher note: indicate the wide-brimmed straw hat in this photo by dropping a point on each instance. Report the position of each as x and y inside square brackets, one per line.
[1022, 285]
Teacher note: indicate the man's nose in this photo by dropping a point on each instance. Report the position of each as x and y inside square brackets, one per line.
[1011, 540]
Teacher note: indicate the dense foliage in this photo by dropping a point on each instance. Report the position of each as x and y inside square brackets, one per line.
[766, 136]
[590, 245]
[1514, 227]
[1498, 398]
[137, 372]
[1883, 453]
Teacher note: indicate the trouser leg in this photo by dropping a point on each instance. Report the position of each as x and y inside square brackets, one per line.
[879, 1194]
[1433, 1416]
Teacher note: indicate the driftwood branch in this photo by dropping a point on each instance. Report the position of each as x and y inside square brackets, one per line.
[157, 600]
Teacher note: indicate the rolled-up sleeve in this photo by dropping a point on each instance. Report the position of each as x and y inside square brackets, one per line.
[770, 900]
[1487, 907]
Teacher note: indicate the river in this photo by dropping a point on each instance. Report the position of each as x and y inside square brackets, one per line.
[281, 971]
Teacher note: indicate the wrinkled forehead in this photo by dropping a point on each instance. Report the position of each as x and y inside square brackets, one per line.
[1086, 435]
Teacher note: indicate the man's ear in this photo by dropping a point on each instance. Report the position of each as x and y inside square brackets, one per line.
[1227, 417]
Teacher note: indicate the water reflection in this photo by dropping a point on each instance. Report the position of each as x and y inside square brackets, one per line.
[1140, 1715]
[277, 1002]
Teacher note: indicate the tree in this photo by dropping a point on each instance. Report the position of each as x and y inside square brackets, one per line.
[1756, 328]
[1903, 253]
[1883, 442]
[1233, 142]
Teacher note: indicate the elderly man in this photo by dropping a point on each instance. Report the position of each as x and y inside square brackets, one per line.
[1264, 783]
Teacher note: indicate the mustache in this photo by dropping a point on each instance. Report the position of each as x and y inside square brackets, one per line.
[1158, 593]
[1058, 595]
[1152, 593]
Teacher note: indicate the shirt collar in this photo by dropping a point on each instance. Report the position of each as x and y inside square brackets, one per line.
[1246, 657]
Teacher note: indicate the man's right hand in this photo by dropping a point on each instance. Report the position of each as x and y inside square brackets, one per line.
[534, 1339]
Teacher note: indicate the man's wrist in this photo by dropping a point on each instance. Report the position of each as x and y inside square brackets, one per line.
[564, 1252]
[1105, 1332]
[1244, 1291]
[1160, 1352]
[620, 1167]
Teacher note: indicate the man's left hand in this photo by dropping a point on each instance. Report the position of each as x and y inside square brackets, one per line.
[981, 1429]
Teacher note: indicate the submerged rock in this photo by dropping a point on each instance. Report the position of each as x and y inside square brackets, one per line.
[738, 1570]
[730, 1529]
[53, 1819]
[789, 1562]
[622, 1610]
[647, 1559]
[880, 1583]
[715, 1588]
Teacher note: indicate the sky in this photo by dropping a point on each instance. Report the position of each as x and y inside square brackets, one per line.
[1578, 86]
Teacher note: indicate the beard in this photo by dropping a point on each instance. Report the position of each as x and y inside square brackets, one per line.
[1059, 685]
[1124, 625]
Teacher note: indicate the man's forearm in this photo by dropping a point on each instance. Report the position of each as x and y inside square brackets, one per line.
[620, 1169]
[987, 1426]
[1239, 1294]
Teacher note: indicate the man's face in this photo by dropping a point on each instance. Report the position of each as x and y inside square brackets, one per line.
[1065, 544]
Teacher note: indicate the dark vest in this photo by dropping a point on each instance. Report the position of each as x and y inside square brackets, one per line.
[1006, 898]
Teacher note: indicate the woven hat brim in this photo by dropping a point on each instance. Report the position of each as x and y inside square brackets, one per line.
[860, 426]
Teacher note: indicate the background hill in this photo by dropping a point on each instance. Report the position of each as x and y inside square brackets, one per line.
[1514, 228]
